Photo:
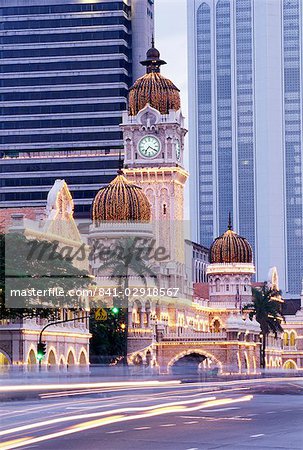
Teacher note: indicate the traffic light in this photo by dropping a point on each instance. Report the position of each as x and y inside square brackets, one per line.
[115, 310]
[41, 350]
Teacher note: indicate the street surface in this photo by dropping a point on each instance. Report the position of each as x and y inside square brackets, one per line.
[257, 414]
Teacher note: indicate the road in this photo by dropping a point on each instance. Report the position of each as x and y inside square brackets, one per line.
[262, 414]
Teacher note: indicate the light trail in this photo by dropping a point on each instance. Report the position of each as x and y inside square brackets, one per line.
[94, 403]
[98, 414]
[115, 384]
[149, 412]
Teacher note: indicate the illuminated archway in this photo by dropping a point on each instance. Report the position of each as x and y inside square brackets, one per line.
[213, 363]
[31, 360]
[290, 365]
[51, 358]
[4, 359]
[83, 359]
[71, 359]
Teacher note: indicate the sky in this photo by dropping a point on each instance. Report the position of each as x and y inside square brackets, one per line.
[171, 41]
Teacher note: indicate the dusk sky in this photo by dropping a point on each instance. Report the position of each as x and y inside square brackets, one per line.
[171, 40]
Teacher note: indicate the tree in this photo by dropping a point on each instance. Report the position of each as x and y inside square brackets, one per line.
[107, 344]
[267, 310]
[26, 270]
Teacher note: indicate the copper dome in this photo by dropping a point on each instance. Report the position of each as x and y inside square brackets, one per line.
[230, 248]
[121, 201]
[153, 88]
[156, 90]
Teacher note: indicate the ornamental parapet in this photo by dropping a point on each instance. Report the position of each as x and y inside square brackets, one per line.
[230, 268]
[194, 336]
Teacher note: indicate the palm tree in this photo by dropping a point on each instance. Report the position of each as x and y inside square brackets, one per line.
[267, 310]
[124, 261]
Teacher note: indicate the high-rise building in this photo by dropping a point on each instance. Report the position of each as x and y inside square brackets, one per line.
[66, 67]
[246, 118]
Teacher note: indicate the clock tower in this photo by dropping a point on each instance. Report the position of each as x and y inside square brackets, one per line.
[153, 132]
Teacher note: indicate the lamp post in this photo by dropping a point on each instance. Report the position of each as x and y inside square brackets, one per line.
[262, 351]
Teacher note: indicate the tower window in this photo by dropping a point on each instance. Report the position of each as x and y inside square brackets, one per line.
[227, 287]
[164, 209]
[217, 285]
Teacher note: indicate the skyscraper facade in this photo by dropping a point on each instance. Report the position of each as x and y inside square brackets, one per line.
[245, 128]
[66, 67]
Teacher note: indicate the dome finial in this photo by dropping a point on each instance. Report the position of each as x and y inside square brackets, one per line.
[152, 61]
[230, 227]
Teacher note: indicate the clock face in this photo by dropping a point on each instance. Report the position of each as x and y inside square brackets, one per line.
[149, 146]
[178, 150]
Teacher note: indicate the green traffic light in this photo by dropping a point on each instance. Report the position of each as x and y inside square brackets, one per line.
[40, 356]
[115, 310]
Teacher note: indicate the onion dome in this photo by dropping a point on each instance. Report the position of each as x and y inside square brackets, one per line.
[153, 88]
[230, 248]
[121, 201]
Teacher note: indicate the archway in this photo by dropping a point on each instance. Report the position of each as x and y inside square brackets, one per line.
[4, 360]
[51, 361]
[70, 359]
[138, 360]
[82, 359]
[31, 360]
[187, 364]
[216, 326]
[290, 365]
[198, 361]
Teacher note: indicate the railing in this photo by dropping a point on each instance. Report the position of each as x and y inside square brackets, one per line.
[37, 323]
[194, 336]
[140, 333]
[289, 347]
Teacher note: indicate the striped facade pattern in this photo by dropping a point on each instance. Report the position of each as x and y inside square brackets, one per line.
[121, 201]
[156, 90]
[231, 248]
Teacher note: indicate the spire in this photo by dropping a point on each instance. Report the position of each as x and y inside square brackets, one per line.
[230, 227]
[153, 61]
[120, 164]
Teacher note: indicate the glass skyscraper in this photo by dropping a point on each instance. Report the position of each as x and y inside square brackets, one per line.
[245, 71]
[66, 67]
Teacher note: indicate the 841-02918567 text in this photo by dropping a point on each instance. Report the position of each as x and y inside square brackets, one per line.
[138, 292]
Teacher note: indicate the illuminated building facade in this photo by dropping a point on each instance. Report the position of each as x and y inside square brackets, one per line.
[203, 322]
[67, 344]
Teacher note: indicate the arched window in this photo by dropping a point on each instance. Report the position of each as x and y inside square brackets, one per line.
[217, 326]
[285, 339]
[292, 339]
[217, 285]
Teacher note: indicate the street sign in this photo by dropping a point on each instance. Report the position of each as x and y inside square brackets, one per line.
[101, 314]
